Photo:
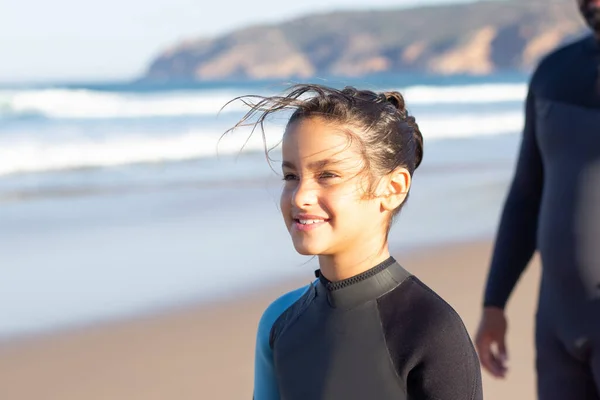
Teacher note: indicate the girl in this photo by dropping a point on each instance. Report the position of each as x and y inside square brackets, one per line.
[366, 328]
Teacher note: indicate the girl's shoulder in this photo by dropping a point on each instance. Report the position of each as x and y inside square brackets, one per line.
[282, 303]
[278, 307]
[418, 305]
[425, 336]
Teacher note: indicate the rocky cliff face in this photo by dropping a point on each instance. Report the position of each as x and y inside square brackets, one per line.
[478, 38]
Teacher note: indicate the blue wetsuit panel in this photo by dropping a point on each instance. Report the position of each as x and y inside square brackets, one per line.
[265, 382]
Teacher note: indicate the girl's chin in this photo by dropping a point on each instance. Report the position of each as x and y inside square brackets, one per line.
[306, 252]
[309, 249]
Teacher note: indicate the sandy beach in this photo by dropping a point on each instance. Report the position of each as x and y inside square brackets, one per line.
[206, 351]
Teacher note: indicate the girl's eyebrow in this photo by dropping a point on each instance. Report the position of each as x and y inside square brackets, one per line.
[287, 164]
[315, 165]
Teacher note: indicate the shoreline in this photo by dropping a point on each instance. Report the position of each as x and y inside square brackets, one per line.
[407, 251]
[205, 350]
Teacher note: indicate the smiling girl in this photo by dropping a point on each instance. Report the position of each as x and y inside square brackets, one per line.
[366, 328]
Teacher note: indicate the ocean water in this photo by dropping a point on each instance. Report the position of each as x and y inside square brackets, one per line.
[118, 199]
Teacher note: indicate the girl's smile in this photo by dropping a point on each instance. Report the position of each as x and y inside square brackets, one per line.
[306, 223]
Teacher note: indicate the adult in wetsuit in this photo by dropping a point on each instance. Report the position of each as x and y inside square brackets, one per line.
[554, 206]
[381, 335]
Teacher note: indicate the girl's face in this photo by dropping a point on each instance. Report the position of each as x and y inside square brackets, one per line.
[324, 202]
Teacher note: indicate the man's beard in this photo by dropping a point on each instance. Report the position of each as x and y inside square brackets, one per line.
[592, 17]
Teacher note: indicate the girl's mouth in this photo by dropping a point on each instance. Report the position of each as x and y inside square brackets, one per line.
[304, 225]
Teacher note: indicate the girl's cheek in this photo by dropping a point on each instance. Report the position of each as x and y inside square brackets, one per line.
[346, 191]
[338, 197]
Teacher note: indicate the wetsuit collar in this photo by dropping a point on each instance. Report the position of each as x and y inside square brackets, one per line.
[363, 287]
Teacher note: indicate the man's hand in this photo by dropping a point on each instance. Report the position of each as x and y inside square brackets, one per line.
[491, 341]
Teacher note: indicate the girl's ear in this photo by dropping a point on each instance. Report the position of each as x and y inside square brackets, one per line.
[396, 189]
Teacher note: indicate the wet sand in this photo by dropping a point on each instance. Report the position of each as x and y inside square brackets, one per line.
[206, 351]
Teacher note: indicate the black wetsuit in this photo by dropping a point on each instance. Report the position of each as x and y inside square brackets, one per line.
[379, 335]
[554, 206]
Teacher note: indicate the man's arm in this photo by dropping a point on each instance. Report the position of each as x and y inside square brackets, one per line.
[517, 233]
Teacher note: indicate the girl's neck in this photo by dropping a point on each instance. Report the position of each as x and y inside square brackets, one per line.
[346, 265]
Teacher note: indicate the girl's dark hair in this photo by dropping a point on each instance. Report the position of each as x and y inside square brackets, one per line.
[388, 136]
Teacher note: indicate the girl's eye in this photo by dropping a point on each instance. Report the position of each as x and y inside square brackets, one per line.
[289, 177]
[327, 175]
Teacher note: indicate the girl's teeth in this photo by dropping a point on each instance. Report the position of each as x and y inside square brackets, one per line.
[309, 221]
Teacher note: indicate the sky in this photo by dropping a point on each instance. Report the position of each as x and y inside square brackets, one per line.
[74, 40]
